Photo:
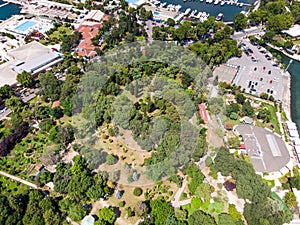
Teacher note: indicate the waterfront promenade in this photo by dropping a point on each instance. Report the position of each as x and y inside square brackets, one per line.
[294, 57]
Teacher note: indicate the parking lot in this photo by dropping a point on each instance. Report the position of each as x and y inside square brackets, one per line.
[267, 151]
[259, 72]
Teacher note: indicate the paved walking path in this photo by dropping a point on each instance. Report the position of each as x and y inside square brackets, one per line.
[176, 203]
[19, 180]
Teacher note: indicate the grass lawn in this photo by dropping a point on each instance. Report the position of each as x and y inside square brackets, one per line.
[284, 206]
[9, 186]
[273, 120]
[140, 38]
[270, 183]
[279, 39]
[296, 42]
[60, 33]
[234, 122]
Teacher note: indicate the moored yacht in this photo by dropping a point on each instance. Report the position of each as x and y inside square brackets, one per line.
[219, 17]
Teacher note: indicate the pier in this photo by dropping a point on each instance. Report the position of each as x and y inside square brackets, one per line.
[4, 4]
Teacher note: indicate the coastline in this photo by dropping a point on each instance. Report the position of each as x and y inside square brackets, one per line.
[287, 98]
[21, 2]
[294, 57]
[287, 104]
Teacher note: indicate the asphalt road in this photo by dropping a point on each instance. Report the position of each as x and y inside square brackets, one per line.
[247, 32]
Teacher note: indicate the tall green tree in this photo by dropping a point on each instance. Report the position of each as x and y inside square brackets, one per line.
[239, 21]
[107, 214]
[160, 210]
[25, 79]
[50, 86]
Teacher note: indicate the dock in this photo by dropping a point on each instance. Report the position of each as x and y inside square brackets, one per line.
[14, 2]
[4, 4]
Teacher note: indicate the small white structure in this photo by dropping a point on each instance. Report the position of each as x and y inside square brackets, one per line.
[291, 125]
[95, 16]
[294, 31]
[88, 220]
[297, 142]
[293, 133]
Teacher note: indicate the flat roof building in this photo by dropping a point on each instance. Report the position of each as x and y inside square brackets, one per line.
[95, 15]
[32, 58]
[161, 13]
[294, 31]
[7, 75]
[38, 64]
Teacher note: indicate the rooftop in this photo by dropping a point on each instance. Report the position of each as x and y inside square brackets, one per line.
[28, 51]
[294, 31]
[95, 15]
[7, 75]
[267, 151]
[86, 47]
[36, 63]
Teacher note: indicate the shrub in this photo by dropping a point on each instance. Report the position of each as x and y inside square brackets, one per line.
[122, 204]
[137, 191]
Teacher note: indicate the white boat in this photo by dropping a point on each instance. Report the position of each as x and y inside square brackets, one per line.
[187, 11]
[198, 15]
[216, 2]
[222, 2]
[194, 12]
[219, 17]
[178, 7]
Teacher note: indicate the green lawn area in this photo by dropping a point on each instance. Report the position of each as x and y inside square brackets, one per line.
[270, 183]
[273, 120]
[9, 186]
[296, 42]
[32, 147]
[140, 38]
[279, 39]
[234, 122]
[284, 206]
[60, 33]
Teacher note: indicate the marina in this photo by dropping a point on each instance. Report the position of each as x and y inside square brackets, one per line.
[8, 9]
[229, 8]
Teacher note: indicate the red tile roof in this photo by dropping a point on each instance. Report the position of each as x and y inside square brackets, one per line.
[56, 104]
[86, 47]
[242, 146]
[203, 112]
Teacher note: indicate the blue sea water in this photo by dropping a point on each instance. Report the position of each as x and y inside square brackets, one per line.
[294, 70]
[8, 10]
[229, 11]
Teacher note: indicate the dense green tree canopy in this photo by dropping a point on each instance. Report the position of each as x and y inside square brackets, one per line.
[25, 79]
[239, 21]
[201, 218]
[160, 210]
